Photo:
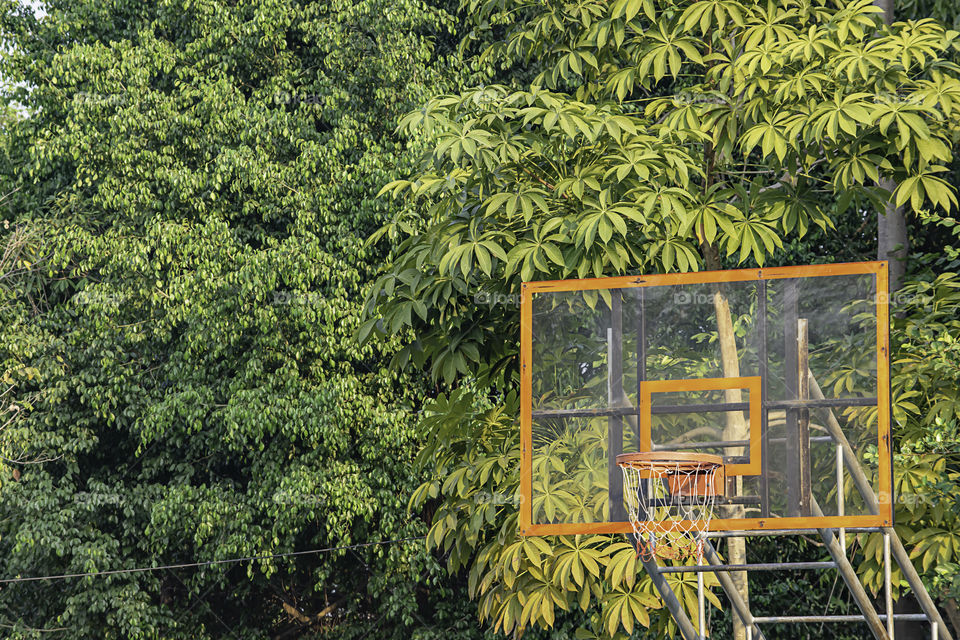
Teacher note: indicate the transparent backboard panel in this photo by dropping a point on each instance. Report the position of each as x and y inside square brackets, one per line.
[774, 370]
[574, 371]
[695, 421]
[682, 329]
[571, 471]
[841, 318]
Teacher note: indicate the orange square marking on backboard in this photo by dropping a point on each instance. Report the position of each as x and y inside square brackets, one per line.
[750, 383]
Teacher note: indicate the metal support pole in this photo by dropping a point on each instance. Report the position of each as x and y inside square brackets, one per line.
[815, 619]
[888, 594]
[763, 566]
[764, 411]
[615, 399]
[792, 390]
[687, 630]
[644, 498]
[641, 344]
[841, 507]
[701, 618]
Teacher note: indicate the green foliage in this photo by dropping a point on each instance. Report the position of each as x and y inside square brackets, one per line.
[926, 380]
[943, 10]
[186, 188]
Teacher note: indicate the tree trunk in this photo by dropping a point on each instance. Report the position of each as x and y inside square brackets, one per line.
[887, 7]
[953, 613]
[735, 427]
[892, 240]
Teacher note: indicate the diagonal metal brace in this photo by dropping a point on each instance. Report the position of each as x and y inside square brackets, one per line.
[687, 630]
[849, 575]
[865, 489]
[741, 607]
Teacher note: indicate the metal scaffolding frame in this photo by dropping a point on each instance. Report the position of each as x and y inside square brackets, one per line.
[880, 623]
[806, 394]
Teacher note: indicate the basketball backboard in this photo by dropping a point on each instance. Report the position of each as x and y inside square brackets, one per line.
[784, 372]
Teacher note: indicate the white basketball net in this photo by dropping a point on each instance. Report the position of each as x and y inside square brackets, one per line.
[670, 505]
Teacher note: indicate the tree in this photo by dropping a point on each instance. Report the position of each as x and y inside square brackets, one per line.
[198, 177]
[893, 242]
[659, 136]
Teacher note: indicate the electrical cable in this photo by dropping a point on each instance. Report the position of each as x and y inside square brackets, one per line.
[187, 565]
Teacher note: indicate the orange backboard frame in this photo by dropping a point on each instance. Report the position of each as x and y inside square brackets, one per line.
[884, 517]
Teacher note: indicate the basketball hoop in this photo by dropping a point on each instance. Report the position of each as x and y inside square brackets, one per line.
[671, 497]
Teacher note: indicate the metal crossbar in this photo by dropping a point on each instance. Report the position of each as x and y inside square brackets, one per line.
[918, 617]
[769, 566]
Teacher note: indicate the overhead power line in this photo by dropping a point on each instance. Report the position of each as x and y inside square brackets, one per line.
[187, 565]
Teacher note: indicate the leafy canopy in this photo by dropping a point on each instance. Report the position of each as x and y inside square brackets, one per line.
[734, 128]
